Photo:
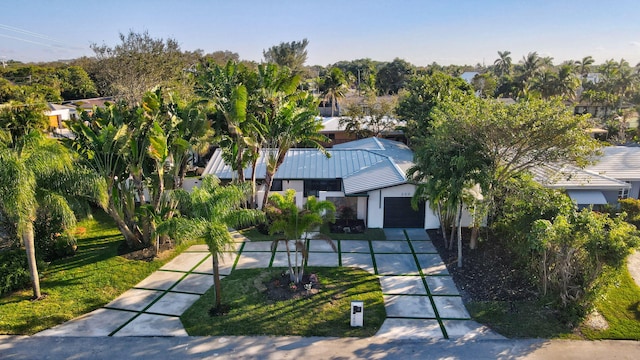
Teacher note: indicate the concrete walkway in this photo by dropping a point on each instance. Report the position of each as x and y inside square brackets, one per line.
[633, 264]
[421, 299]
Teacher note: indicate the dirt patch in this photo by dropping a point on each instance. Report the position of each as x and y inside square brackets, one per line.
[596, 321]
[281, 288]
[487, 273]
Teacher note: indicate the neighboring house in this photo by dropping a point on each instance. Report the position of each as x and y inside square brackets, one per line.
[57, 114]
[621, 163]
[368, 175]
[332, 129]
[326, 108]
[585, 188]
[88, 104]
[615, 175]
[338, 135]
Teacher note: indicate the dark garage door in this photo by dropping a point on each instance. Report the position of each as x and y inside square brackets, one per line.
[398, 213]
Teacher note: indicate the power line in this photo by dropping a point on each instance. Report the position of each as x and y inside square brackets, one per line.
[29, 41]
[30, 33]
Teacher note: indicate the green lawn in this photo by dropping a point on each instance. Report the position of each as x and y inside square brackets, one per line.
[525, 319]
[323, 314]
[620, 305]
[78, 284]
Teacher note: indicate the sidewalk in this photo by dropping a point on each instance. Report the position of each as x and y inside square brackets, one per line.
[421, 299]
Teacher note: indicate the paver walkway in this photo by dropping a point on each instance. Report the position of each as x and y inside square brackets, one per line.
[421, 299]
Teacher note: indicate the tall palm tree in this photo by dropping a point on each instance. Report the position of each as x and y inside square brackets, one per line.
[295, 123]
[503, 63]
[584, 65]
[227, 89]
[531, 63]
[34, 171]
[276, 87]
[568, 82]
[334, 87]
[207, 213]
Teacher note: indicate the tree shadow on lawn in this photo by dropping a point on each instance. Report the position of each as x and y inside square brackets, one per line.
[326, 313]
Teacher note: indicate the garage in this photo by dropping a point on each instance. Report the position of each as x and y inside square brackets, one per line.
[398, 213]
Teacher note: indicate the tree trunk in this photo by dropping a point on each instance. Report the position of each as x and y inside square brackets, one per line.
[29, 245]
[442, 224]
[239, 167]
[254, 165]
[216, 280]
[268, 180]
[132, 240]
[453, 232]
[459, 226]
[271, 173]
[473, 241]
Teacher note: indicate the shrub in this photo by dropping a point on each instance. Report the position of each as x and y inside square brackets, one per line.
[52, 240]
[520, 202]
[632, 208]
[13, 271]
[571, 254]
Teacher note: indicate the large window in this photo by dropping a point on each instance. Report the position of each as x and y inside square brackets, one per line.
[313, 187]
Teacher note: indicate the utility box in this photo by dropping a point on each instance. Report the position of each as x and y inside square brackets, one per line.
[357, 313]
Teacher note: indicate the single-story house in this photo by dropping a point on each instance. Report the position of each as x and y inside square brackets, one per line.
[58, 114]
[368, 175]
[621, 163]
[615, 175]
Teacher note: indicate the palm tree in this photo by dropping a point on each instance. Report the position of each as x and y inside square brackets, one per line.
[530, 64]
[294, 222]
[568, 82]
[334, 87]
[35, 171]
[227, 90]
[584, 65]
[294, 123]
[276, 88]
[190, 136]
[207, 213]
[503, 63]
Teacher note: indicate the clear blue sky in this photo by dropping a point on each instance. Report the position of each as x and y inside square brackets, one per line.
[419, 31]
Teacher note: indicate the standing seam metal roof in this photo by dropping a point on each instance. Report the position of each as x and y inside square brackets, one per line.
[363, 165]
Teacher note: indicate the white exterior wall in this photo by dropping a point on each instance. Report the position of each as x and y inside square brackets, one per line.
[297, 185]
[190, 182]
[634, 192]
[361, 212]
[376, 207]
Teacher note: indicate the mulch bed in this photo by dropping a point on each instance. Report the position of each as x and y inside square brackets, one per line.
[487, 273]
[146, 254]
[281, 288]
